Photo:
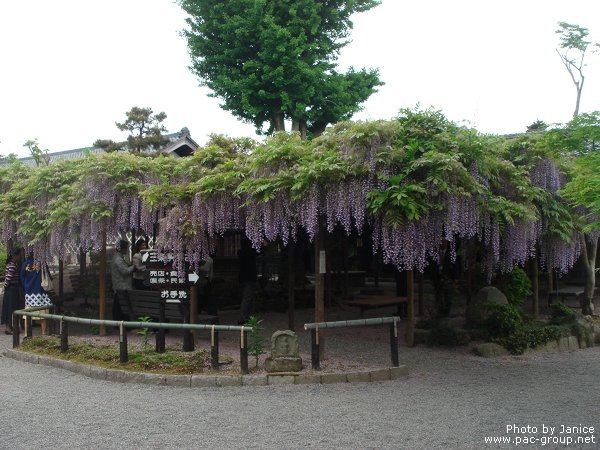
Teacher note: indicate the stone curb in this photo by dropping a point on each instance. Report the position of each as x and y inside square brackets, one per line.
[199, 381]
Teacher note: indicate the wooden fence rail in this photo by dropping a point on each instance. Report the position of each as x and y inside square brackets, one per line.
[315, 327]
[124, 325]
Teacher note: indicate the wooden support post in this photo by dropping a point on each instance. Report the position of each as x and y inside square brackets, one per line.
[194, 309]
[327, 276]
[102, 284]
[52, 322]
[214, 348]
[346, 281]
[291, 283]
[421, 300]
[123, 356]
[61, 281]
[320, 268]
[410, 319]
[535, 287]
[314, 338]
[160, 336]
[28, 327]
[188, 338]
[16, 330]
[64, 336]
[394, 343]
[244, 351]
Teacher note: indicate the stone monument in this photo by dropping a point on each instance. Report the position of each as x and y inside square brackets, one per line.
[284, 353]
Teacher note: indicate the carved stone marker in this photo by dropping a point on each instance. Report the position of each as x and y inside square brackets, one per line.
[284, 353]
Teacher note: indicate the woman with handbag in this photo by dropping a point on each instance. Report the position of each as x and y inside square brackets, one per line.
[32, 274]
[12, 290]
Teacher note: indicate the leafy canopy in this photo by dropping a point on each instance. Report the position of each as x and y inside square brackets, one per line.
[272, 60]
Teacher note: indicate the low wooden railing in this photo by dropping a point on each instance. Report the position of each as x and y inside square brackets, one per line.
[188, 343]
[315, 327]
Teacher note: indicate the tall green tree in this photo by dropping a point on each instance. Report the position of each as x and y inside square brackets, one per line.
[145, 131]
[573, 45]
[581, 137]
[274, 60]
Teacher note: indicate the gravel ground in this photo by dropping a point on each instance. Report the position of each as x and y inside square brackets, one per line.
[450, 400]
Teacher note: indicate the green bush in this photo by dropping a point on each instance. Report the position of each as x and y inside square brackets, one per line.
[442, 334]
[530, 337]
[3, 256]
[504, 320]
[560, 313]
[505, 326]
[516, 286]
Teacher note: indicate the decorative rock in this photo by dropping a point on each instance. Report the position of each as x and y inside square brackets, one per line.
[490, 350]
[479, 307]
[563, 344]
[573, 343]
[284, 353]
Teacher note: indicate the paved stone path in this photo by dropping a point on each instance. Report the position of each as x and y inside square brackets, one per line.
[450, 400]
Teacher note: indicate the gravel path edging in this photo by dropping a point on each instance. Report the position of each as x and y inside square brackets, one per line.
[193, 381]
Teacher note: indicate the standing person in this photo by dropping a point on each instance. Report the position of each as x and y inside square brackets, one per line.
[12, 289]
[121, 279]
[140, 269]
[247, 278]
[31, 278]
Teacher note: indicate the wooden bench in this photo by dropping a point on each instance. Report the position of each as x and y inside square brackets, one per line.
[147, 303]
[379, 302]
[568, 291]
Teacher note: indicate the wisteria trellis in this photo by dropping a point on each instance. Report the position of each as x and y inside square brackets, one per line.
[271, 189]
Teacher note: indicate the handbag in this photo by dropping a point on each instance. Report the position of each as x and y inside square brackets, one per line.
[46, 279]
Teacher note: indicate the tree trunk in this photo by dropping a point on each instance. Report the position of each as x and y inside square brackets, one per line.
[535, 286]
[589, 262]
[320, 281]
[277, 121]
[291, 269]
[410, 319]
[300, 126]
[102, 284]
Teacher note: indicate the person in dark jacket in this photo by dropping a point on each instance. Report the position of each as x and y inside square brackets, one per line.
[12, 290]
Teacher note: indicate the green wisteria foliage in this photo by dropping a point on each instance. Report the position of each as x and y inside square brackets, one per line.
[414, 181]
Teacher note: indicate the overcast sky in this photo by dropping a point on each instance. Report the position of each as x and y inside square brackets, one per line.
[71, 68]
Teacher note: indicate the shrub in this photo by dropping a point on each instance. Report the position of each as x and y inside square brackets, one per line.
[530, 337]
[560, 313]
[516, 286]
[442, 334]
[256, 342]
[3, 256]
[506, 327]
[504, 320]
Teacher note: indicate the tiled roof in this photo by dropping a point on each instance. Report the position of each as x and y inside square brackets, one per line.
[180, 144]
